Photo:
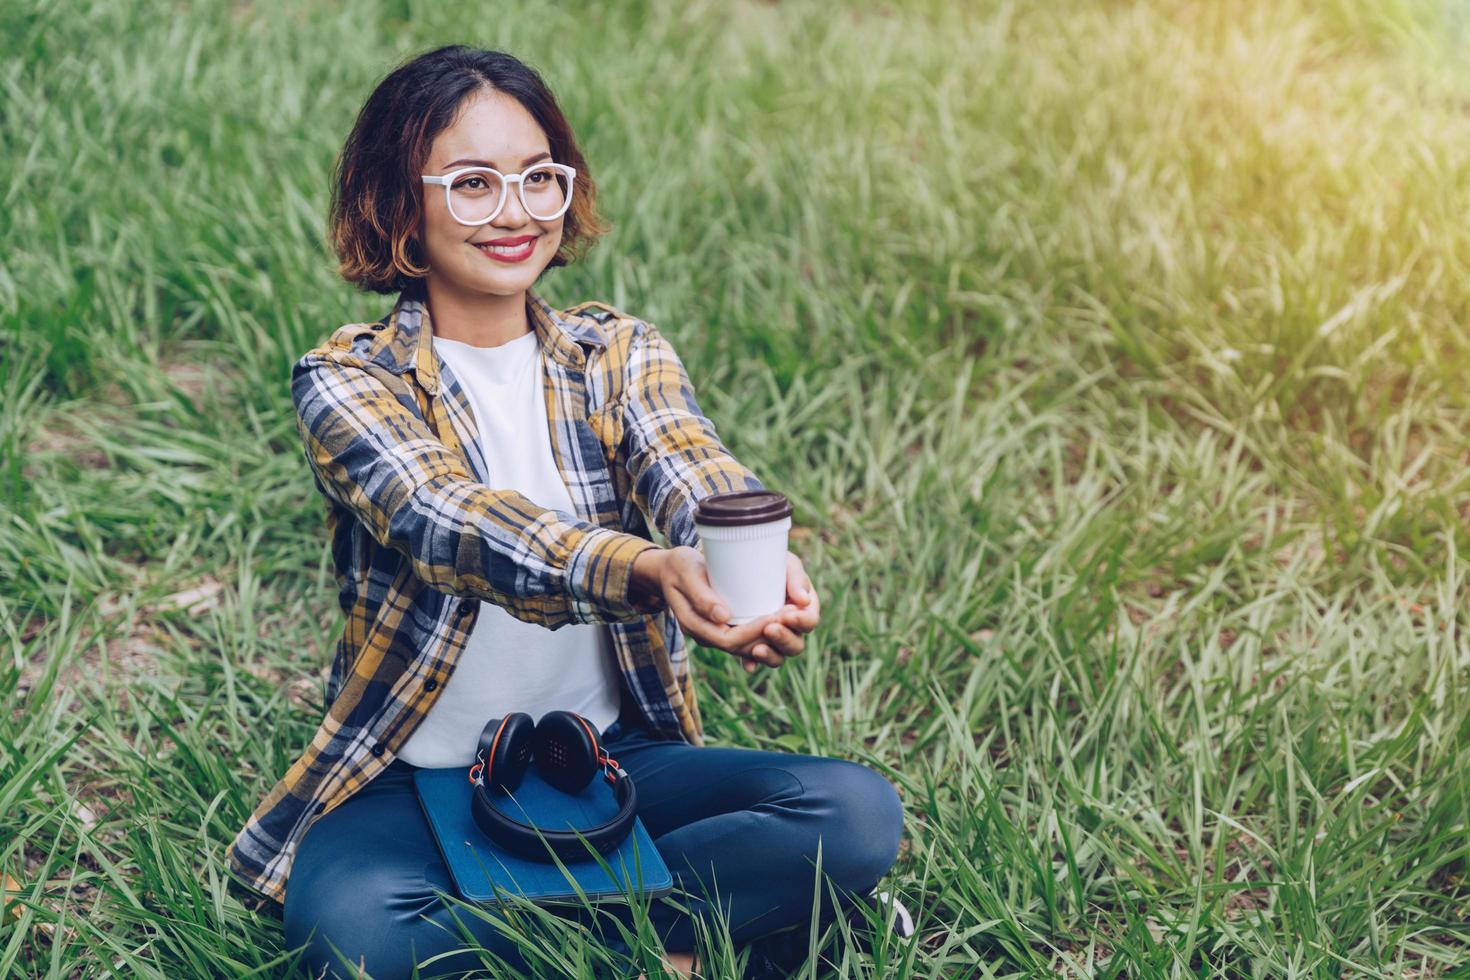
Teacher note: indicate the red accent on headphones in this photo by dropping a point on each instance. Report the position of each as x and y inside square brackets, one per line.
[611, 767]
[479, 766]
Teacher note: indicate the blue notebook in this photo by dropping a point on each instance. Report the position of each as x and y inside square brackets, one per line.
[478, 866]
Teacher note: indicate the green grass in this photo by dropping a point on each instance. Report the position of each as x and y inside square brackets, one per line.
[1113, 354]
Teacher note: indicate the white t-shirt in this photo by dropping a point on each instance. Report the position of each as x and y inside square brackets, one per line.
[509, 664]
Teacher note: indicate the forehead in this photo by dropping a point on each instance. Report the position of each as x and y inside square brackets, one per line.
[490, 126]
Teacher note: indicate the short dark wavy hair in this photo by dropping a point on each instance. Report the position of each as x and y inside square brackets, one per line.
[377, 193]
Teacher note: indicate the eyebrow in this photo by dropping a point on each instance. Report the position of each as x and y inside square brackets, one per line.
[543, 155]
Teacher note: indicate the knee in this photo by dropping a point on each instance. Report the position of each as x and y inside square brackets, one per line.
[324, 947]
[316, 939]
[335, 924]
[369, 920]
[861, 836]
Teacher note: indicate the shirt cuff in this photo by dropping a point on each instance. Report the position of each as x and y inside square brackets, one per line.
[600, 576]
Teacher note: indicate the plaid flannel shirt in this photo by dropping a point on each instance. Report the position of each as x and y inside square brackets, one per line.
[418, 533]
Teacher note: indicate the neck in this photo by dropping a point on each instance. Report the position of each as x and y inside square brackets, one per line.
[480, 319]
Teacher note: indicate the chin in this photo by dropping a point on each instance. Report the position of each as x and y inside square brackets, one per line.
[510, 280]
[502, 281]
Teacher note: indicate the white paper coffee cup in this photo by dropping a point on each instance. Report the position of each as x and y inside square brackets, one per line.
[744, 538]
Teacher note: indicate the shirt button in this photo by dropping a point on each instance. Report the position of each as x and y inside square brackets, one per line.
[321, 806]
[378, 749]
[430, 684]
[467, 606]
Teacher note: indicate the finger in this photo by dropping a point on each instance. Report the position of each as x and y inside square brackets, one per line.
[737, 639]
[799, 620]
[709, 613]
[768, 656]
[755, 653]
[751, 666]
[789, 644]
[715, 610]
[692, 582]
[809, 614]
[796, 580]
[745, 635]
[705, 599]
[700, 630]
[740, 640]
[702, 592]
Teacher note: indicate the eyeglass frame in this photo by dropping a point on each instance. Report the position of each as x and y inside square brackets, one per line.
[505, 180]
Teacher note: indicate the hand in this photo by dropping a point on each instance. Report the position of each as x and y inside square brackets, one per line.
[682, 578]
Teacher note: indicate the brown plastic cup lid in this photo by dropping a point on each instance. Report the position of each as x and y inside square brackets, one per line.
[742, 507]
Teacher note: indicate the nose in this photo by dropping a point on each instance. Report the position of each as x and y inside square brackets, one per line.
[513, 213]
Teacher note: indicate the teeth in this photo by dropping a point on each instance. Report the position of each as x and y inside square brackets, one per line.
[506, 249]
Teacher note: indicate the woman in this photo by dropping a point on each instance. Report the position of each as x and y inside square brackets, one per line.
[490, 466]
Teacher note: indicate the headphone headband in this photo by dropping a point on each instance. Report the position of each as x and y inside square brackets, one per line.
[526, 840]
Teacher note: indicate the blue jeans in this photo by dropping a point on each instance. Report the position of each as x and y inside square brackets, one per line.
[736, 826]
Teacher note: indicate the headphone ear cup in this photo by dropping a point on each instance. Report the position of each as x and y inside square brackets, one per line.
[507, 748]
[566, 750]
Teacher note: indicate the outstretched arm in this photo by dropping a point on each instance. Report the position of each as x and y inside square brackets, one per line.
[373, 454]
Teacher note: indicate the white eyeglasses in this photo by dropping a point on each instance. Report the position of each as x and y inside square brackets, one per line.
[475, 195]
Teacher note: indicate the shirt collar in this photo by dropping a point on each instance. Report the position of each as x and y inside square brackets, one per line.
[410, 336]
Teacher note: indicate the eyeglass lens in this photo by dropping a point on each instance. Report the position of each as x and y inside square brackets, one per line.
[476, 194]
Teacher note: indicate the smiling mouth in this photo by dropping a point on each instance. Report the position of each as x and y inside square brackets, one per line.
[508, 253]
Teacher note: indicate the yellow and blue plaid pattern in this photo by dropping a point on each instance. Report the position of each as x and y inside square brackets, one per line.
[418, 532]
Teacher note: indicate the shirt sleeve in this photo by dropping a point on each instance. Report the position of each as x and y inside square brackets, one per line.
[374, 454]
[674, 455]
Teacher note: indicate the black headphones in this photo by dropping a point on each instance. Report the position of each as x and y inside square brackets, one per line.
[567, 756]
